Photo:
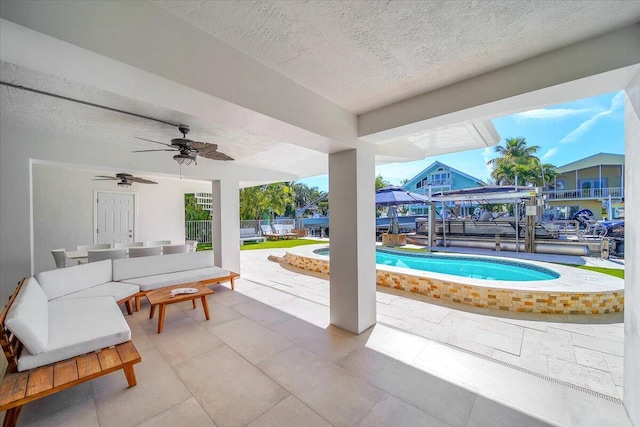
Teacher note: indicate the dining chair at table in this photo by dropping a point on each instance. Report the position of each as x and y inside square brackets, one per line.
[193, 245]
[157, 243]
[175, 249]
[128, 245]
[145, 251]
[102, 254]
[91, 247]
[60, 257]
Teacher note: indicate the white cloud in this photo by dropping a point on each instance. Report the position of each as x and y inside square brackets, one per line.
[486, 155]
[616, 103]
[555, 114]
[550, 153]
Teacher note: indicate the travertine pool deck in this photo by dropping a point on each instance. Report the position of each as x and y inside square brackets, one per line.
[575, 291]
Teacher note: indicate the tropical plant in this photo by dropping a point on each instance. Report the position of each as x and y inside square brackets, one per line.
[193, 211]
[265, 201]
[517, 159]
[381, 182]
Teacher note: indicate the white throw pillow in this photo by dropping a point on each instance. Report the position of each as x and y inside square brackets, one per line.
[28, 317]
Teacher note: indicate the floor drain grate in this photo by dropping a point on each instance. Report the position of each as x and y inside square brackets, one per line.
[537, 374]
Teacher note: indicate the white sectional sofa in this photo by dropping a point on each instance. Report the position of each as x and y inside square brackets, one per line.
[67, 312]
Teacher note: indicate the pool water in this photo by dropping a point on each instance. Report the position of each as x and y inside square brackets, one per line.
[465, 266]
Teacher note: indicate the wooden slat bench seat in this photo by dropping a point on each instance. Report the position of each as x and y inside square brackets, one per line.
[19, 388]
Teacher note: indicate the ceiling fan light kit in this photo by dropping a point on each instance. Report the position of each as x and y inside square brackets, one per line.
[185, 158]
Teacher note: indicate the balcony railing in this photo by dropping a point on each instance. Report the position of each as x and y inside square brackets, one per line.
[585, 193]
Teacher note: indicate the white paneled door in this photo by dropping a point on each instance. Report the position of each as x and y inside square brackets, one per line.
[114, 217]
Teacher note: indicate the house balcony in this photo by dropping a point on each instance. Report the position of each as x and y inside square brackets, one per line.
[585, 193]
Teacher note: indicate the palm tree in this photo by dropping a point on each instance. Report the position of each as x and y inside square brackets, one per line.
[515, 148]
[518, 159]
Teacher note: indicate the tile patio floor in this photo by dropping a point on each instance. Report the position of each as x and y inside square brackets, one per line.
[268, 357]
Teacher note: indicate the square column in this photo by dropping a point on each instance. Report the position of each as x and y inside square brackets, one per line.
[631, 396]
[352, 233]
[225, 225]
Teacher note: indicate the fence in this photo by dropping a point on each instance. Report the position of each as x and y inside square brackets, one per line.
[201, 230]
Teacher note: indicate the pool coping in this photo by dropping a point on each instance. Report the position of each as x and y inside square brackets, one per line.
[576, 291]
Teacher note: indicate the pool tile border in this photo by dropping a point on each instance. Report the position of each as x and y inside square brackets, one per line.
[506, 299]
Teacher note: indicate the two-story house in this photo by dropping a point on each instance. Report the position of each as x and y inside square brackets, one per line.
[439, 177]
[595, 183]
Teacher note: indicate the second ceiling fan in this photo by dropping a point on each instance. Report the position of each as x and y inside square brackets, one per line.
[188, 150]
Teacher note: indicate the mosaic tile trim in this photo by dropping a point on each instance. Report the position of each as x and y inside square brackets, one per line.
[524, 301]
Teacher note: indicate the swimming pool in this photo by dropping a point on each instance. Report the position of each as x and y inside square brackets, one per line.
[569, 291]
[464, 266]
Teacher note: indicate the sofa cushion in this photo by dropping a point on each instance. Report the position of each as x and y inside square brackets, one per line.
[149, 283]
[28, 317]
[78, 327]
[63, 281]
[124, 269]
[117, 290]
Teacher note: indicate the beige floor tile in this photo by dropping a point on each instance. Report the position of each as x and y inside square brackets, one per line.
[227, 297]
[603, 345]
[393, 412]
[42, 409]
[591, 358]
[188, 413]
[183, 340]
[290, 412]
[80, 414]
[331, 343]
[173, 314]
[251, 340]
[553, 343]
[231, 390]
[395, 343]
[616, 368]
[435, 396]
[269, 295]
[306, 310]
[329, 390]
[488, 413]
[482, 331]
[535, 362]
[158, 388]
[218, 314]
[591, 411]
[583, 376]
[261, 313]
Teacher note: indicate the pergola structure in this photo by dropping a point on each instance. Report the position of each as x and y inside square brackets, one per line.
[294, 89]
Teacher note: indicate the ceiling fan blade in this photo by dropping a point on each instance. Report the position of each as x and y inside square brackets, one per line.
[209, 151]
[141, 180]
[151, 140]
[147, 151]
[105, 178]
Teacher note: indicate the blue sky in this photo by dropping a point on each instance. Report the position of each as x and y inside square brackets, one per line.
[564, 132]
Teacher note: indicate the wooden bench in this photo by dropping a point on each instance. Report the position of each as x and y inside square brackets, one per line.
[19, 388]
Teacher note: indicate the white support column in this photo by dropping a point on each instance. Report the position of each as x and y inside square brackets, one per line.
[226, 224]
[352, 233]
[632, 252]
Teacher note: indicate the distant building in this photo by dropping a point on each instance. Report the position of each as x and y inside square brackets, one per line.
[590, 183]
[439, 177]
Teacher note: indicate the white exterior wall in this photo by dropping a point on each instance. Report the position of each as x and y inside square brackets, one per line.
[63, 209]
[632, 254]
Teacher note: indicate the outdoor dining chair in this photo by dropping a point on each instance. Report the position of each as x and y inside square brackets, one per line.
[90, 247]
[145, 251]
[60, 257]
[193, 245]
[128, 245]
[175, 249]
[157, 243]
[102, 254]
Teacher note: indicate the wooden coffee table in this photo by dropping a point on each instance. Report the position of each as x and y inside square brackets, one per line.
[162, 297]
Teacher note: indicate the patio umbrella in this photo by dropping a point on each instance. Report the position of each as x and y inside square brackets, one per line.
[395, 196]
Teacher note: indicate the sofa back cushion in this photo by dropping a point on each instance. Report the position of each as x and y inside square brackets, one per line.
[64, 281]
[28, 317]
[130, 268]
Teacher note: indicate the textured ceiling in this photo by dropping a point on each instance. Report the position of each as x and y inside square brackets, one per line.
[363, 55]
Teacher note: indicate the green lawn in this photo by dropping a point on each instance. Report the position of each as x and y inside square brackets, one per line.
[610, 271]
[269, 244]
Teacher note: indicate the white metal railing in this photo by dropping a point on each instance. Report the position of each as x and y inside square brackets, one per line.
[585, 193]
[198, 230]
[201, 230]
